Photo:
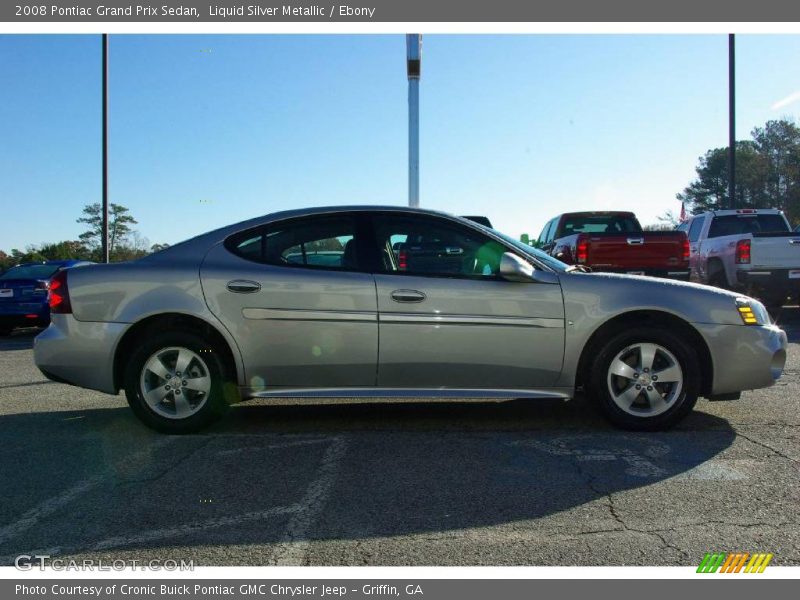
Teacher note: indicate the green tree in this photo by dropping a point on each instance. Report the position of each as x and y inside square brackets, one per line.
[5, 262]
[65, 250]
[767, 173]
[119, 226]
[779, 144]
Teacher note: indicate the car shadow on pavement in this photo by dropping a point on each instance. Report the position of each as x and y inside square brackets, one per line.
[84, 483]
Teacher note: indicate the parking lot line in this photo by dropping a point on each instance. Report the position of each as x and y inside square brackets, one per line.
[292, 549]
[173, 532]
[273, 446]
[44, 509]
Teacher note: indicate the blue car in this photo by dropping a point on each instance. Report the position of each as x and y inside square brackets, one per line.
[24, 291]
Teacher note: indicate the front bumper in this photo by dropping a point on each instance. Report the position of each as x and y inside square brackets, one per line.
[79, 352]
[744, 357]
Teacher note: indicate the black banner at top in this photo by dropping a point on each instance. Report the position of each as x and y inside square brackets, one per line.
[400, 10]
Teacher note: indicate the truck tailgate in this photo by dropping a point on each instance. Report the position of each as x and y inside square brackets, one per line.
[635, 251]
[775, 251]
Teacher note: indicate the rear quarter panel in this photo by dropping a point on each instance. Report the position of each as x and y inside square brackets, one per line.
[131, 292]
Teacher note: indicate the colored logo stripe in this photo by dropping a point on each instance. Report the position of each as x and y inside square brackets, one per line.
[734, 562]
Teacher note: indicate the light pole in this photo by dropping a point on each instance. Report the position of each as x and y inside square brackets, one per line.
[731, 121]
[104, 241]
[414, 70]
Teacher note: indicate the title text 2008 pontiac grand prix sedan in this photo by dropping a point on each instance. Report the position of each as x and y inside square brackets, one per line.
[388, 302]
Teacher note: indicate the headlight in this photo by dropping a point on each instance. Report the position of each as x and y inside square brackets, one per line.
[752, 312]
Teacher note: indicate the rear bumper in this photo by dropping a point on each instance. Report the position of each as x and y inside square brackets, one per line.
[26, 320]
[78, 352]
[744, 357]
[773, 279]
[20, 314]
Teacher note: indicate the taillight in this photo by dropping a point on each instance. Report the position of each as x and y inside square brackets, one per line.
[59, 294]
[685, 248]
[743, 252]
[402, 260]
[582, 250]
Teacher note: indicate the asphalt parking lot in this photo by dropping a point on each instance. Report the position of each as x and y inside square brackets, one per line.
[516, 483]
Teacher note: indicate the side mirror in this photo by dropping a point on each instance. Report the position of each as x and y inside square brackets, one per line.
[513, 268]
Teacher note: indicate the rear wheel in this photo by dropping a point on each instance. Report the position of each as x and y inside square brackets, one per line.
[716, 275]
[178, 383]
[645, 379]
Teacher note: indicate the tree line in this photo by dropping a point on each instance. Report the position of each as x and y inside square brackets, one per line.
[767, 174]
[125, 243]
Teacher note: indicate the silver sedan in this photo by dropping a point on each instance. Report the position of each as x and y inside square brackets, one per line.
[394, 302]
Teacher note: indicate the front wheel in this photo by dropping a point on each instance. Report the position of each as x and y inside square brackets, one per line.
[178, 383]
[645, 379]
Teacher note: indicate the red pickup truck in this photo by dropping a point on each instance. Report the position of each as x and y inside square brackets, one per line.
[614, 242]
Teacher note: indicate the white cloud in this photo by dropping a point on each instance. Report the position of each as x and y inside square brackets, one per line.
[790, 99]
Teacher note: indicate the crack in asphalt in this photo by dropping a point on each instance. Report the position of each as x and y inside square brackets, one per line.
[165, 471]
[767, 447]
[618, 518]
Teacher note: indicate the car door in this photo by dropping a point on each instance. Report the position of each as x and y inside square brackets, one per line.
[446, 318]
[295, 299]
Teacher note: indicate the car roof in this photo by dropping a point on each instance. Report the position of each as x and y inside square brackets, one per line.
[203, 241]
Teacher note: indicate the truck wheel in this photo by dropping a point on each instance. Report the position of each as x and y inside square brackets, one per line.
[175, 382]
[716, 276]
[645, 379]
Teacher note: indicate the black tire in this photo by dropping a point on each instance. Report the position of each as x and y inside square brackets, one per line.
[716, 276]
[680, 406]
[213, 405]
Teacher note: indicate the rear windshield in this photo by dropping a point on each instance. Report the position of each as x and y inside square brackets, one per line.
[31, 272]
[739, 224]
[600, 224]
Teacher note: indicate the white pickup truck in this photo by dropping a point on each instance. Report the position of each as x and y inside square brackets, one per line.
[752, 250]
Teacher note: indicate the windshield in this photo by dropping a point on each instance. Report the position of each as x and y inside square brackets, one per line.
[31, 272]
[548, 260]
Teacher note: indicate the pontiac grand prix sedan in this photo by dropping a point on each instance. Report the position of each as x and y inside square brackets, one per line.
[394, 302]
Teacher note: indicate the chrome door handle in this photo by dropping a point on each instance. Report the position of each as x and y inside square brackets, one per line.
[407, 296]
[243, 286]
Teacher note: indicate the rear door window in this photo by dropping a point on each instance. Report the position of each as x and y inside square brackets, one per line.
[325, 242]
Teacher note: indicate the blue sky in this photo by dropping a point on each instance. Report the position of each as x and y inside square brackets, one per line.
[209, 130]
